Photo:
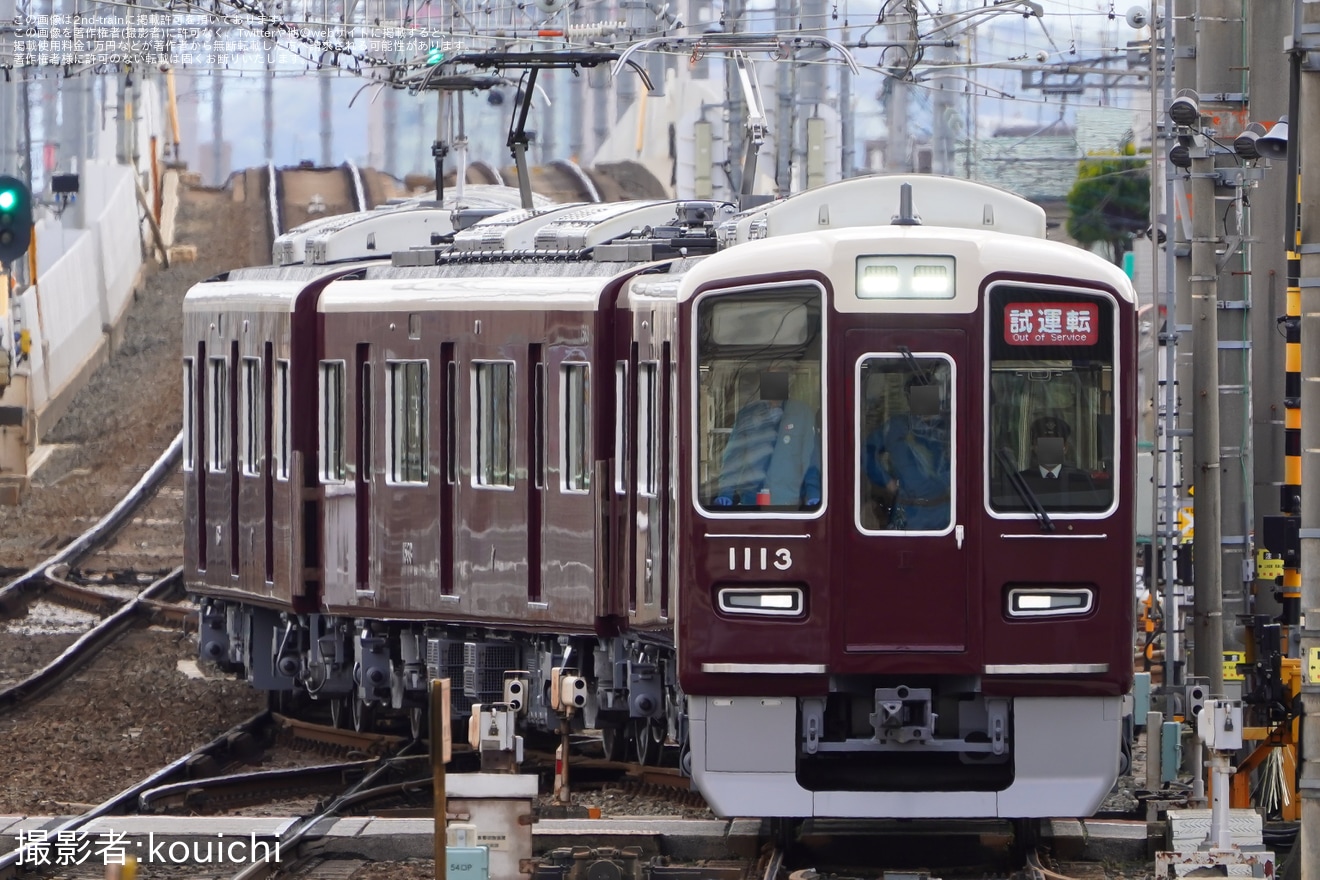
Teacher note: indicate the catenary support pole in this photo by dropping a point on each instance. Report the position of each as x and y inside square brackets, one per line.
[1308, 143]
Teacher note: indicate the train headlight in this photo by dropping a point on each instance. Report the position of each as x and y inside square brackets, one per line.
[905, 277]
[772, 601]
[1049, 601]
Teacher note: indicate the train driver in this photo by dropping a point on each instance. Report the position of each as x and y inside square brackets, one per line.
[1049, 477]
[773, 450]
[909, 457]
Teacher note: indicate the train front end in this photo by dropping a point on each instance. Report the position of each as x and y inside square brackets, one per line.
[905, 557]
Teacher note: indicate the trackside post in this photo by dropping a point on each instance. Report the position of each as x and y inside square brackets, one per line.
[441, 751]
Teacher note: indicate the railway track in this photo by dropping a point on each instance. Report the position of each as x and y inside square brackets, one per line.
[17, 593]
[218, 752]
[119, 601]
[149, 606]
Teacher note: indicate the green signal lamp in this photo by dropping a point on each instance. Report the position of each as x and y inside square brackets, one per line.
[435, 55]
[15, 218]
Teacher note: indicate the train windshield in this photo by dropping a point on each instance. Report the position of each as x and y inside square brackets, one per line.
[1052, 412]
[759, 401]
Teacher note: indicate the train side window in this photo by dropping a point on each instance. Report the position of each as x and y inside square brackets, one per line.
[575, 399]
[648, 426]
[759, 387]
[1053, 413]
[406, 436]
[451, 413]
[332, 422]
[250, 418]
[279, 440]
[189, 413]
[621, 428]
[492, 401]
[217, 426]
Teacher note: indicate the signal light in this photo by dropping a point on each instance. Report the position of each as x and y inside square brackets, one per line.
[435, 55]
[15, 218]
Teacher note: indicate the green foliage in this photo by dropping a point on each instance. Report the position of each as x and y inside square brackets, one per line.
[1110, 202]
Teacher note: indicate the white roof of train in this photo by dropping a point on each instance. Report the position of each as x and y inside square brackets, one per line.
[262, 289]
[346, 236]
[874, 201]
[488, 293]
[976, 254]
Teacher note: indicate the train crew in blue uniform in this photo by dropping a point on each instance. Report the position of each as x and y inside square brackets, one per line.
[909, 457]
[1049, 477]
[773, 448]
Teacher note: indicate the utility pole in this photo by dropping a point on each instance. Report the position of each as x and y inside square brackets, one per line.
[783, 121]
[9, 97]
[218, 167]
[268, 95]
[1209, 634]
[1308, 144]
[812, 171]
[1220, 82]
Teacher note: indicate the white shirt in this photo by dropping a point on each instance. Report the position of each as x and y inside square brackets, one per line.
[1051, 472]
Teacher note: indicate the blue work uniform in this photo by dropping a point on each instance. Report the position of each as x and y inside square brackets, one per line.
[919, 458]
[773, 448]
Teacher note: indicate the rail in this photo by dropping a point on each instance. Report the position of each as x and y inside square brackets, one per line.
[89, 644]
[16, 591]
[10, 862]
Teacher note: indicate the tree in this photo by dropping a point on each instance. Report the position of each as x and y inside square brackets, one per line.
[1110, 202]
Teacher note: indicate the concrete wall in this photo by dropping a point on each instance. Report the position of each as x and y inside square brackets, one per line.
[85, 280]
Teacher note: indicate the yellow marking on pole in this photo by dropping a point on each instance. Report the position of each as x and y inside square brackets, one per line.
[1292, 357]
[1292, 419]
[1186, 522]
[1231, 661]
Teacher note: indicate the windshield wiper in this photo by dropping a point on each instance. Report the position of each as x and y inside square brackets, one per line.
[1024, 491]
[913, 365]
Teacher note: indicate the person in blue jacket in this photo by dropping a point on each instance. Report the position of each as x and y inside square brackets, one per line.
[773, 448]
[909, 456]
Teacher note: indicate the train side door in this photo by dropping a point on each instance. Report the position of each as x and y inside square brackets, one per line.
[906, 549]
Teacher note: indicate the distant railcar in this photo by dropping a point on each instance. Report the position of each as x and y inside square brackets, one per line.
[842, 508]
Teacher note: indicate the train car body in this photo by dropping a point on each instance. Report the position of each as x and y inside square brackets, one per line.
[951, 651]
[531, 469]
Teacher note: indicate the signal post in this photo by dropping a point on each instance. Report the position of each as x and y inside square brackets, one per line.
[15, 239]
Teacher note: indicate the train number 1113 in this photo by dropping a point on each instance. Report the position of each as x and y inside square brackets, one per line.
[759, 559]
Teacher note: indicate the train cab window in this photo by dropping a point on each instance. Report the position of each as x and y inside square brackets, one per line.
[492, 399]
[759, 387]
[906, 425]
[332, 422]
[406, 425]
[279, 427]
[189, 414]
[1052, 414]
[217, 426]
[575, 399]
[251, 424]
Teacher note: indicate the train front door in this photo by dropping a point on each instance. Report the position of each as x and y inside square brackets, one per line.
[905, 560]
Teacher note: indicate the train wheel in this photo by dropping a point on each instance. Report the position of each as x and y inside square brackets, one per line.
[614, 740]
[339, 711]
[363, 715]
[650, 739]
[417, 722]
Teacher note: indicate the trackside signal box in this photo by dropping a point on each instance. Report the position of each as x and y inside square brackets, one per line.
[468, 862]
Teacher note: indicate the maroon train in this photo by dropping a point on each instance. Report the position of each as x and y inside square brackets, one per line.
[772, 488]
